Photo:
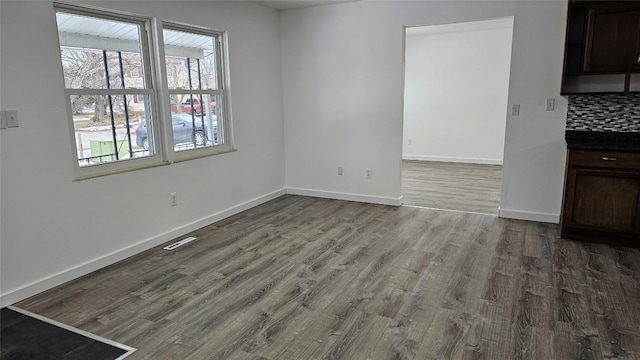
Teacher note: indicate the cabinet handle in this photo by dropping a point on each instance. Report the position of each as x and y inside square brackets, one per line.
[638, 63]
[609, 158]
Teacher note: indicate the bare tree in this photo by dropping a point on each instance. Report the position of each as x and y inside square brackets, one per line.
[177, 78]
[85, 69]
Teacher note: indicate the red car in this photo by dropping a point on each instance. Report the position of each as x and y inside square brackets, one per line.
[195, 108]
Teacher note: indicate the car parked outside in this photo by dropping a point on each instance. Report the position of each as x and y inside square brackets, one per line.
[183, 131]
[187, 107]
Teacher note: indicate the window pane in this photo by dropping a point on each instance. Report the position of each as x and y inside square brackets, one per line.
[190, 60]
[193, 125]
[100, 127]
[88, 44]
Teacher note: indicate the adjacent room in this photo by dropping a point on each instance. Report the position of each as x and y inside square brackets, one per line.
[456, 88]
[225, 180]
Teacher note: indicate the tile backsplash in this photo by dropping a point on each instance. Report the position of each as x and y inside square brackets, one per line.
[610, 112]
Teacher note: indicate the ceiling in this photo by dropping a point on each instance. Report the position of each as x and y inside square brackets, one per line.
[292, 4]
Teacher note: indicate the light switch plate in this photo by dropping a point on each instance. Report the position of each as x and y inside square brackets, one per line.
[12, 118]
[551, 104]
[515, 110]
[3, 120]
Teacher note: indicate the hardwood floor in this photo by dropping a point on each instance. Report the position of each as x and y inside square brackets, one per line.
[452, 186]
[308, 278]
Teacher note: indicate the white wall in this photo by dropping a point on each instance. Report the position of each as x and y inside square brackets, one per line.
[54, 229]
[535, 150]
[455, 92]
[342, 87]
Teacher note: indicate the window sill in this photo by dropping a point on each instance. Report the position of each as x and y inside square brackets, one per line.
[191, 154]
[187, 157]
[119, 171]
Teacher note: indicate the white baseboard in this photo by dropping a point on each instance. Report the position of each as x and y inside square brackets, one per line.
[346, 196]
[49, 282]
[453, 159]
[529, 215]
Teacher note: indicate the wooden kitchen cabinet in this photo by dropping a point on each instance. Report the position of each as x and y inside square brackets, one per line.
[602, 47]
[602, 197]
[613, 40]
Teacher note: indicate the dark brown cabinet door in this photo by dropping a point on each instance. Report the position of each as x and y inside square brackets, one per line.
[613, 40]
[604, 200]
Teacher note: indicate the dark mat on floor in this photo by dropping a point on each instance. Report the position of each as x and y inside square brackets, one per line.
[25, 337]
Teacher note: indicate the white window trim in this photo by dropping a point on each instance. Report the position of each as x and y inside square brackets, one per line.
[146, 51]
[155, 75]
[223, 90]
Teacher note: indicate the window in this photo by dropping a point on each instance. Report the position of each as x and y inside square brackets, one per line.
[193, 55]
[110, 69]
[98, 51]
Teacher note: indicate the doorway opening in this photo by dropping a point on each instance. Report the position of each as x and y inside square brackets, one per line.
[456, 86]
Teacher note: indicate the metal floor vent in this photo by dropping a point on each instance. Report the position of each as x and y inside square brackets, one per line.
[179, 243]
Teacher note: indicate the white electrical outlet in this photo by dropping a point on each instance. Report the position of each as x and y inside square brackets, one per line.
[515, 110]
[174, 199]
[369, 173]
[340, 170]
[410, 141]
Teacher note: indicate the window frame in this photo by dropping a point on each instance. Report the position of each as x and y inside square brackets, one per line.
[148, 74]
[154, 74]
[222, 76]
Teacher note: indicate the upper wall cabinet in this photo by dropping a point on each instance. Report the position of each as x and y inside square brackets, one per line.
[602, 49]
[613, 35]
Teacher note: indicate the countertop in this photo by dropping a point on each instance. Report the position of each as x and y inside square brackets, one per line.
[603, 140]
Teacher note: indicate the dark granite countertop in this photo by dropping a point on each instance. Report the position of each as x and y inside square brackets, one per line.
[602, 140]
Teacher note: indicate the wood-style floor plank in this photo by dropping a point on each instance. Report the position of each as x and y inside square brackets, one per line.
[308, 278]
[452, 186]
